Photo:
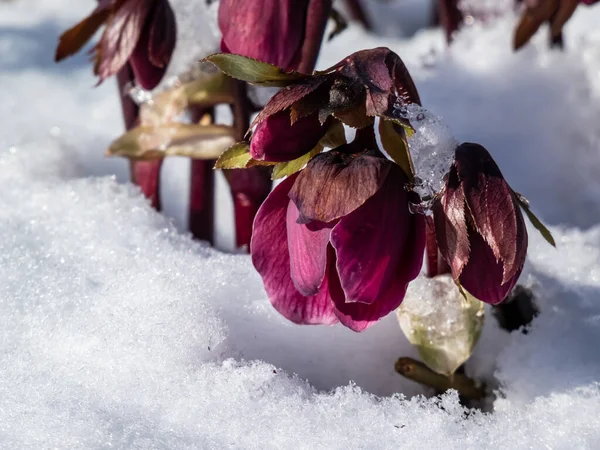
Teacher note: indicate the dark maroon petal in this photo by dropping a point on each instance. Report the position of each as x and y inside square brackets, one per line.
[370, 241]
[404, 86]
[287, 96]
[482, 277]
[72, 40]
[494, 210]
[163, 34]
[270, 256]
[276, 139]
[451, 225]
[268, 30]
[384, 76]
[359, 316]
[335, 183]
[589, 2]
[308, 253]
[146, 74]
[120, 37]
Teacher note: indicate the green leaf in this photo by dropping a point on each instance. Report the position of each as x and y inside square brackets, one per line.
[394, 143]
[404, 123]
[288, 168]
[252, 70]
[235, 157]
[173, 139]
[537, 223]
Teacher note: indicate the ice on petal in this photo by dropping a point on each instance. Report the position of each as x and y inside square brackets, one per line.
[431, 148]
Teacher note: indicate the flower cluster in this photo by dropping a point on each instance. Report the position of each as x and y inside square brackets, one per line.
[338, 239]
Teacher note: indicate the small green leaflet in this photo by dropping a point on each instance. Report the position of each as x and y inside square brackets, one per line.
[545, 232]
[252, 70]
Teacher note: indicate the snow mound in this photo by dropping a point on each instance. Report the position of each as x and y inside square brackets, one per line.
[119, 331]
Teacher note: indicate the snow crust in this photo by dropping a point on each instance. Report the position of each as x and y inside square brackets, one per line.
[119, 331]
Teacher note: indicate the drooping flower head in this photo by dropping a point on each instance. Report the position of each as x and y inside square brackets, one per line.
[538, 12]
[364, 85]
[479, 226]
[286, 33]
[337, 241]
[141, 32]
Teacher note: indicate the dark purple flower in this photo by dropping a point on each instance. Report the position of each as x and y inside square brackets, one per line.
[538, 12]
[479, 226]
[141, 32]
[365, 84]
[337, 241]
[273, 31]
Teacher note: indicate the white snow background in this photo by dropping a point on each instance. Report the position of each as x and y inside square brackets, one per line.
[118, 331]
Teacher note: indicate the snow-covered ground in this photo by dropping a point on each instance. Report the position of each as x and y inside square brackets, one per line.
[117, 330]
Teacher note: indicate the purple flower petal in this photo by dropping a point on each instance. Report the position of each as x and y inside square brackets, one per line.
[451, 225]
[271, 259]
[268, 30]
[153, 51]
[495, 212]
[120, 37]
[163, 34]
[335, 183]
[482, 275]
[276, 139]
[370, 241]
[308, 252]
[360, 316]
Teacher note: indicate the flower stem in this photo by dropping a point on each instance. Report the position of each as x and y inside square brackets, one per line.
[146, 174]
[450, 17]
[435, 263]
[316, 21]
[201, 211]
[249, 187]
[419, 372]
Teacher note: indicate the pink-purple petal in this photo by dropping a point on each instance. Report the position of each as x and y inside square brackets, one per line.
[276, 139]
[360, 316]
[268, 30]
[370, 241]
[482, 275]
[308, 253]
[121, 37]
[271, 259]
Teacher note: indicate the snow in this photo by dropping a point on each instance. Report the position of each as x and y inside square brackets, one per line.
[432, 148]
[119, 331]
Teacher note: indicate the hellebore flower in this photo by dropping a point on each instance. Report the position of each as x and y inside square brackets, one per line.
[141, 32]
[337, 241]
[279, 32]
[556, 12]
[479, 226]
[367, 83]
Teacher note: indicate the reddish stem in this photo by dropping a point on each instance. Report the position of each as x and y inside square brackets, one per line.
[316, 21]
[435, 263]
[146, 174]
[202, 192]
[202, 203]
[249, 187]
[450, 17]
